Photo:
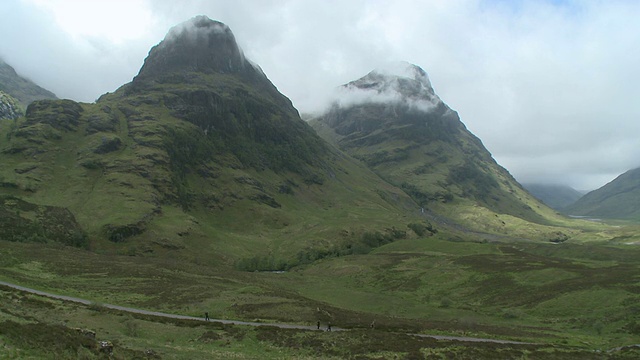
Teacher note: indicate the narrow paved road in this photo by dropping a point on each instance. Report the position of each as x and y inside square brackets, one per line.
[235, 322]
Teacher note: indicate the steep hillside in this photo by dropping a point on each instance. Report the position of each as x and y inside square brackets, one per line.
[24, 90]
[393, 121]
[199, 155]
[619, 199]
[556, 196]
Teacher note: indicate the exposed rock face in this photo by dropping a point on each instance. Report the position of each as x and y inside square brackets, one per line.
[23, 221]
[59, 114]
[9, 107]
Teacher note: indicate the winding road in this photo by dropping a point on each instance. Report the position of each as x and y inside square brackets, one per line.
[235, 322]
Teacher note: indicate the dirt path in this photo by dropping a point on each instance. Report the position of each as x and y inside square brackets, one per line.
[235, 322]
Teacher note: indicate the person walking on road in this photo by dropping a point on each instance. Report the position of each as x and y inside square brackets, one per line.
[206, 316]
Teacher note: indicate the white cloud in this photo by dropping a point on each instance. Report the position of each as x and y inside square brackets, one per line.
[116, 21]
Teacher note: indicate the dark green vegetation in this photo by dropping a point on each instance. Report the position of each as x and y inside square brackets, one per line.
[24, 90]
[192, 188]
[619, 199]
[555, 196]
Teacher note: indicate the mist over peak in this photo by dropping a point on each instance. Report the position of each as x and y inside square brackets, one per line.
[403, 69]
[198, 28]
[198, 45]
[393, 83]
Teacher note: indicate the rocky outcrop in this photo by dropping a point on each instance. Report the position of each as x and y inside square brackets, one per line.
[23, 221]
[59, 114]
[9, 108]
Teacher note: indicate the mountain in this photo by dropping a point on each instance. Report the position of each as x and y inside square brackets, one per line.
[556, 196]
[393, 121]
[619, 199]
[22, 89]
[200, 155]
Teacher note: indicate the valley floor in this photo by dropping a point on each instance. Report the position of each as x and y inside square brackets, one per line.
[547, 301]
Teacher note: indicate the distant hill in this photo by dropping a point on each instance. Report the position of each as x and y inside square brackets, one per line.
[23, 89]
[393, 121]
[619, 199]
[556, 196]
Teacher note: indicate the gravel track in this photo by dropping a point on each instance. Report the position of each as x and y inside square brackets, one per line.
[235, 322]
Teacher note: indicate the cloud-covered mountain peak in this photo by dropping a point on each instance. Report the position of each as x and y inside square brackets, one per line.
[200, 45]
[403, 69]
[393, 83]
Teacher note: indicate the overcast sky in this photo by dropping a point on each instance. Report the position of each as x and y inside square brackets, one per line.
[550, 86]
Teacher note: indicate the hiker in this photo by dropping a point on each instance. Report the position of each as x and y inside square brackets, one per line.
[318, 324]
[206, 316]
[373, 324]
[329, 327]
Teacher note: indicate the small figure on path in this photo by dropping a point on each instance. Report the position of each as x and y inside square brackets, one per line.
[329, 327]
[318, 324]
[206, 316]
